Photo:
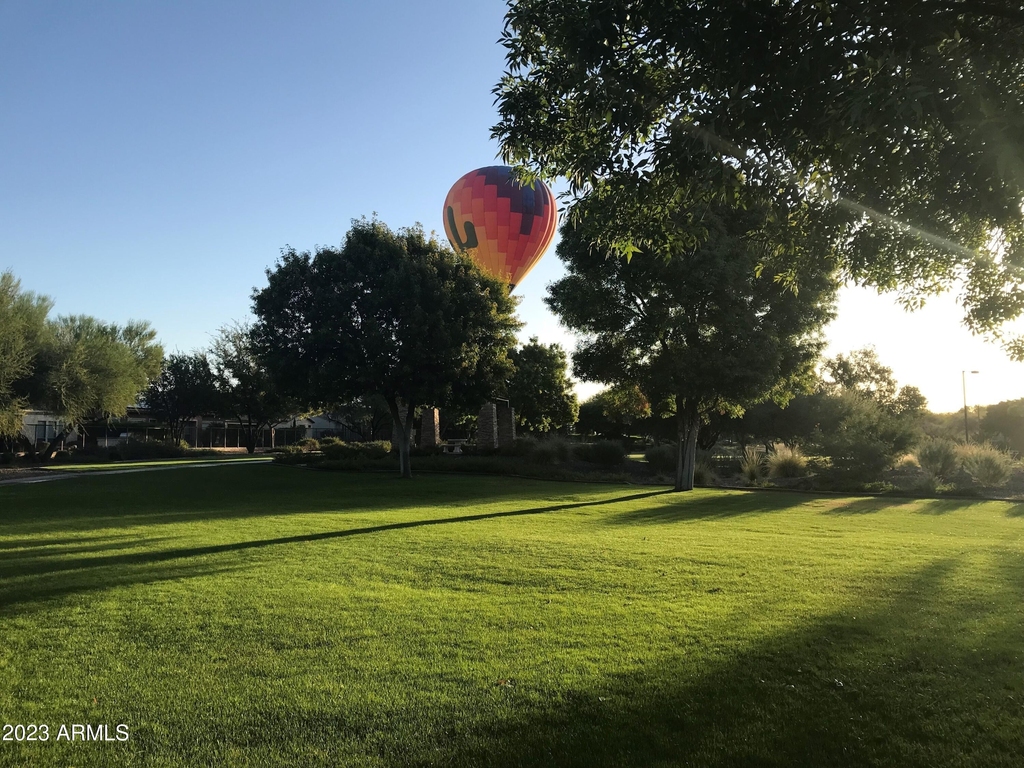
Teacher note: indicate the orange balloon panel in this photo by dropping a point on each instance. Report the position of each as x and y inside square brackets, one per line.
[504, 226]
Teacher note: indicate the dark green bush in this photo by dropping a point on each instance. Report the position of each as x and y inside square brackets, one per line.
[6, 457]
[607, 453]
[307, 444]
[341, 450]
[661, 458]
[134, 450]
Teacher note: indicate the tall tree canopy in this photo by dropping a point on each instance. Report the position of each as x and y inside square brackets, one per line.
[22, 328]
[540, 390]
[698, 330]
[245, 384]
[89, 369]
[896, 128]
[185, 388]
[390, 313]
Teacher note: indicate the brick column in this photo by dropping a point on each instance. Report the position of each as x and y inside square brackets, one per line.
[487, 427]
[430, 428]
[506, 425]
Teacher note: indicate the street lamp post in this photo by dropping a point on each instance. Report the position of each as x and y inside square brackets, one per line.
[963, 382]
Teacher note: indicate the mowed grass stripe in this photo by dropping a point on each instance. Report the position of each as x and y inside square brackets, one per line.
[261, 615]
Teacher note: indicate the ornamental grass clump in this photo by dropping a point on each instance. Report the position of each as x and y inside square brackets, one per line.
[704, 473]
[939, 458]
[786, 462]
[986, 464]
[752, 465]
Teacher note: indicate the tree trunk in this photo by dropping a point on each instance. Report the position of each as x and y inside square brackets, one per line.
[688, 425]
[403, 431]
[29, 447]
[47, 453]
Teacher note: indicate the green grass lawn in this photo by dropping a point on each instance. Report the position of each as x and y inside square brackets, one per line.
[267, 615]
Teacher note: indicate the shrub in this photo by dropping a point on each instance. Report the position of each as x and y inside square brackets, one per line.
[986, 464]
[341, 450]
[607, 453]
[7, 457]
[61, 457]
[308, 444]
[149, 449]
[329, 441]
[703, 473]
[908, 462]
[523, 446]
[752, 465]
[560, 446]
[938, 457]
[292, 454]
[786, 462]
[661, 458]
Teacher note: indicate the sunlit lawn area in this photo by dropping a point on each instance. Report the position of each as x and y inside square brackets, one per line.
[267, 615]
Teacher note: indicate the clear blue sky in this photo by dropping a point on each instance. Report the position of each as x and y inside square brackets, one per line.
[157, 155]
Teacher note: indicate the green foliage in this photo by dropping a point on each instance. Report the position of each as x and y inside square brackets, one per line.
[308, 444]
[607, 453]
[1003, 423]
[186, 388]
[292, 455]
[614, 412]
[753, 465]
[704, 473]
[378, 449]
[699, 331]
[22, 328]
[887, 132]
[786, 461]
[390, 313]
[540, 389]
[986, 464]
[133, 449]
[246, 386]
[938, 458]
[88, 370]
[861, 437]
[662, 458]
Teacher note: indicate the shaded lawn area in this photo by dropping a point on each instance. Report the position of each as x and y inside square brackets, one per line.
[266, 615]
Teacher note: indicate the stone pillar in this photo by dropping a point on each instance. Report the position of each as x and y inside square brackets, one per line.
[487, 427]
[506, 424]
[430, 428]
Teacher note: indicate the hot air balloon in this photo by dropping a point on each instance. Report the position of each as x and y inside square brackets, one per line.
[504, 226]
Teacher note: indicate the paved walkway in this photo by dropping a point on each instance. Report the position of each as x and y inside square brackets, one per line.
[46, 476]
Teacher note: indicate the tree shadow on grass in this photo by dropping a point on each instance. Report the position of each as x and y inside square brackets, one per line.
[241, 491]
[866, 506]
[860, 687]
[1017, 510]
[17, 566]
[946, 506]
[683, 506]
[37, 588]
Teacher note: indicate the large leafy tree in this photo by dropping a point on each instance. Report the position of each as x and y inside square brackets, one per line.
[22, 329]
[698, 330]
[185, 388]
[540, 389]
[897, 128]
[1003, 423]
[390, 313]
[245, 385]
[88, 369]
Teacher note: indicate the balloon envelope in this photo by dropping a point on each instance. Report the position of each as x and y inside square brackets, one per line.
[504, 226]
